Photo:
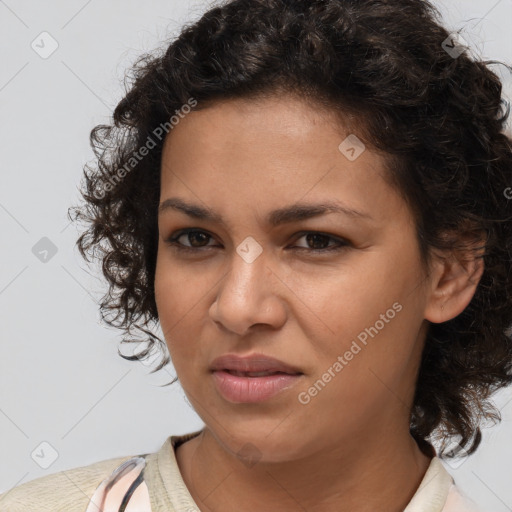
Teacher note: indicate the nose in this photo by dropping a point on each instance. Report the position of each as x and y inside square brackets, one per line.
[249, 296]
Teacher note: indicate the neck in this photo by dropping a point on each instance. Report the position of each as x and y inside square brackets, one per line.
[364, 477]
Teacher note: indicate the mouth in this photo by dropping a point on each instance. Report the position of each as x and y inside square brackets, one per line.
[253, 387]
[254, 365]
[252, 379]
[256, 374]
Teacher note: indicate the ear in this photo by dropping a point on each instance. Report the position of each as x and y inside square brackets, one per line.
[454, 278]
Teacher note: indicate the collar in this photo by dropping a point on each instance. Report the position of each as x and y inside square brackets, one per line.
[430, 496]
[433, 490]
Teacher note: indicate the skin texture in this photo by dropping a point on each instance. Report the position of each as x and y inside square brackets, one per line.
[349, 448]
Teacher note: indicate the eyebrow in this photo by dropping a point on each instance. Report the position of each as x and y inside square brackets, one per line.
[285, 215]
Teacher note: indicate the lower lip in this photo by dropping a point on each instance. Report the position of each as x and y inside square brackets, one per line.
[252, 389]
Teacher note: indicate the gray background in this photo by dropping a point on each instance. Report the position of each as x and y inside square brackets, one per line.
[61, 379]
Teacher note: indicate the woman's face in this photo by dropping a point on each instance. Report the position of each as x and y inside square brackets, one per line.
[345, 308]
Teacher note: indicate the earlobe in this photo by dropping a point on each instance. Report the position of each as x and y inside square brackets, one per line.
[453, 286]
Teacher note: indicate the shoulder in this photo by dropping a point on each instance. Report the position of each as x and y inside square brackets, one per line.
[65, 491]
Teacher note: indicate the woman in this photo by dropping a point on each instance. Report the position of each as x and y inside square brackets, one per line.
[310, 198]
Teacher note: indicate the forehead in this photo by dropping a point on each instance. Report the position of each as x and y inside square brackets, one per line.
[275, 120]
[272, 151]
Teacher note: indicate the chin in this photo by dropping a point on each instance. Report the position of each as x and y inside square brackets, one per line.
[264, 441]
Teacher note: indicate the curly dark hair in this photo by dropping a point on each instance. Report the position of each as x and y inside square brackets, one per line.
[439, 118]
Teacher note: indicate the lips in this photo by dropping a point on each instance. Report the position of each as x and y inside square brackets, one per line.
[254, 374]
[255, 365]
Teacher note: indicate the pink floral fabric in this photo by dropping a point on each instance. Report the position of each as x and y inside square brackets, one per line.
[124, 490]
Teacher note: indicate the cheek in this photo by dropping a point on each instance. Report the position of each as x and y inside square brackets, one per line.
[368, 317]
[182, 304]
[173, 296]
[178, 289]
[338, 305]
[365, 371]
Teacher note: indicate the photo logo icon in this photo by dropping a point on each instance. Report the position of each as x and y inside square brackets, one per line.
[352, 147]
[249, 454]
[44, 45]
[249, 249]
[459, 454]
[44, 250]
[44, 455]
[455, 45]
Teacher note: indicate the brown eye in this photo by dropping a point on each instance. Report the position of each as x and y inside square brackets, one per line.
[319, 242]
[196, 239]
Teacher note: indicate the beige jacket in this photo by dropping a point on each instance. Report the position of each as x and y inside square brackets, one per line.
[153, 483]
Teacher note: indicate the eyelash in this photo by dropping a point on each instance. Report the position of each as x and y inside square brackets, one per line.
[173, 242]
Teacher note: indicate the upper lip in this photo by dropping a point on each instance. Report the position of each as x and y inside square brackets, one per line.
[252, 363]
